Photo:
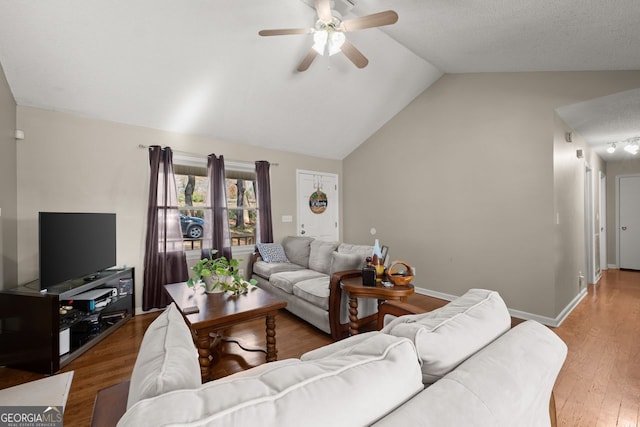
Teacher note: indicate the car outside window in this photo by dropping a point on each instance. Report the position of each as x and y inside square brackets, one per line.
[192, 184]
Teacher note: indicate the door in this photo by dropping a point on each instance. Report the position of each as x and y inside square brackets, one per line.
[318, 205]
[629, 222]
[602, 222]
[589, 225]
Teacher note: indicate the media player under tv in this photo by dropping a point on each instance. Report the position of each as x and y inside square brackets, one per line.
[90, 300]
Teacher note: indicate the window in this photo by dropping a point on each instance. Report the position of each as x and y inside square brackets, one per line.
[242, 206]
[192, 184]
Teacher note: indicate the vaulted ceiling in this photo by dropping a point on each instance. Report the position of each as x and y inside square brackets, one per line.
[199, 66]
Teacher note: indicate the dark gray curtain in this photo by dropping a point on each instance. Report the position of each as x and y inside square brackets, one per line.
[164, 259]
[216, 218]
[263, 181]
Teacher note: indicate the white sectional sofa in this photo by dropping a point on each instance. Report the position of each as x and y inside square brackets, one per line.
[306, 273]
[480, 373]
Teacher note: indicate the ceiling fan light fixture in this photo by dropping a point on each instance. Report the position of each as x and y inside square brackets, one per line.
[336, 40]
[320, 41]
[612, 148]
[328, 32]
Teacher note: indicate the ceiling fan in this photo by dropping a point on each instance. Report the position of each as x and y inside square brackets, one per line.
[328, 33]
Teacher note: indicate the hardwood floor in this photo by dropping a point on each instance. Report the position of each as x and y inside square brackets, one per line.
[599, 384]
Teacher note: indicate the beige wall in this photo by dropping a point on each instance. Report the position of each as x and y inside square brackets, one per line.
[569, 211]
[71, 163]
[461, 185]
[615, 169]
[8, 188]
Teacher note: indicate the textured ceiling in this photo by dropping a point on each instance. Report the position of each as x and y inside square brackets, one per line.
[461, 36]
[602, 121]
[199, 66]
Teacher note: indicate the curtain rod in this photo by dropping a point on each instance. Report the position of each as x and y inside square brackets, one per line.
[144, 147]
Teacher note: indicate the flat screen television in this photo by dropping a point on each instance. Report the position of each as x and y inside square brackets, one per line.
[75, 245]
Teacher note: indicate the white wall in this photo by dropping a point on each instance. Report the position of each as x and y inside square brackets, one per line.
[72, 163]
[461, 184]
[8, 196]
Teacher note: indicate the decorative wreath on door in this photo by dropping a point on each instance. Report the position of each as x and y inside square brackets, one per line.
[318, 202]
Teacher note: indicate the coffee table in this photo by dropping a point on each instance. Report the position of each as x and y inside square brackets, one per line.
[219, 311]
[354, 287]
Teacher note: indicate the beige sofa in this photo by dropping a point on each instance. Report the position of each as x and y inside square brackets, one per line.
[306, 273]
[460, 365]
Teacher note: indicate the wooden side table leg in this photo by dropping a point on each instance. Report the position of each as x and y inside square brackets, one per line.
[272, 353]
[353, 315]
[203, 343]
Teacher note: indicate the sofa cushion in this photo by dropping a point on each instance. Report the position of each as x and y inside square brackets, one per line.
[297, 249]
[507, 383]
[363, 250]
[315, 291]
[266, 269]
[272, 252]
[345, 261]
[167, 360]
[338, 347]
[353, 389]
[285, 280]
[320, 255]
[447, 336]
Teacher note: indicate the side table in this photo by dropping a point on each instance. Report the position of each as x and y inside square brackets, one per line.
[354, 287]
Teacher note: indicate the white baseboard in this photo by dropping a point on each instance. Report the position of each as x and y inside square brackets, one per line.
[435, 294]
[612, 267]
[545, 320]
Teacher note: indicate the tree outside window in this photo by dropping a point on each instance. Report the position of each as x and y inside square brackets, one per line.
[241, 204]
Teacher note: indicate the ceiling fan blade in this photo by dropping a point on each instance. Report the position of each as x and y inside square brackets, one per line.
[375, 20]
[354, 55]
[307, 60]
[323, 8]
[285, 31]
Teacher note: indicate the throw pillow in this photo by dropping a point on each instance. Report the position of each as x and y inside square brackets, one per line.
[363, 250]
[344, 262]
[297, 249]
[320, 255]
[272, 252]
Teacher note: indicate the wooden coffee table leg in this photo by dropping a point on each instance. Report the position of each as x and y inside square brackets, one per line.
[203, 343]
[272, 353]
[353, 315]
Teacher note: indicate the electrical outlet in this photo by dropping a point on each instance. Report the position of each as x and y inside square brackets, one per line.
[413, 271]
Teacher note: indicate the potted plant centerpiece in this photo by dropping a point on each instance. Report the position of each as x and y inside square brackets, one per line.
[219, 275]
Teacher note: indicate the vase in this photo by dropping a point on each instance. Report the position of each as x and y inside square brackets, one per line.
[212, 284]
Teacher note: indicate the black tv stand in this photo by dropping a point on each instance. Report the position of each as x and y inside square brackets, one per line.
[37, 333]
[92, 277]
